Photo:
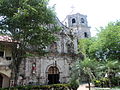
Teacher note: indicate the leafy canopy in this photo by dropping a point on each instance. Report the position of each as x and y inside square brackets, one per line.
[84, 46]
[31, 22]
[107, 43]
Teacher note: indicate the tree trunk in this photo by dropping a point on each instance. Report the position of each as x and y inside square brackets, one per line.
[17, 58]
[89, 83]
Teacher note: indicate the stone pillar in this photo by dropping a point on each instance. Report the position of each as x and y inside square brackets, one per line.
[75, 46]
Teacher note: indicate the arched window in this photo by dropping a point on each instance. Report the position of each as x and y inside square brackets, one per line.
[85, 35]
[82, 20]
[73, 20]
[53, 70]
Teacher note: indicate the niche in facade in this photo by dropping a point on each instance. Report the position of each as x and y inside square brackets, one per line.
[53, 47]
[70, 48]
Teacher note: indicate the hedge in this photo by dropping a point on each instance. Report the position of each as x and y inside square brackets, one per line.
[41, 87]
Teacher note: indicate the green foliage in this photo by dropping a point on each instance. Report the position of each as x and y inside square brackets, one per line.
[115, 81]
[74, 83]
[113, 65]
[31, 22]
[88, 68]
[109, 67]
[88, 63]
[97, 83]
[101, 56]
[106, 74]
[74, 79]
[83, 71]
[84, 45]
[41, 87]
[103, 82]
[107, 43]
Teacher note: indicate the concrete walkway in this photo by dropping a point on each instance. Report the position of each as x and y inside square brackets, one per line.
[84, 87]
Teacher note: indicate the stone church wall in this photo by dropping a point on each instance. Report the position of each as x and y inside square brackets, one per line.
[36, 69]
[42, 65]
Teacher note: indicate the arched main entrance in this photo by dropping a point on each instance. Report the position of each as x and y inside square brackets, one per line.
[1, 80]
[53, 75]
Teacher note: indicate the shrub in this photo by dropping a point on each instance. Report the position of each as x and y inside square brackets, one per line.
[41, 87]
[103, 82]
[74, 84]
[97, 83]
[115, 81]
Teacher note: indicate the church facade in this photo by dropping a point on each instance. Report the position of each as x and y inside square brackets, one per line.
[55, 66]
[5, 60]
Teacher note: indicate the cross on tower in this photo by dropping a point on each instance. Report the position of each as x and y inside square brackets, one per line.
[73, 8]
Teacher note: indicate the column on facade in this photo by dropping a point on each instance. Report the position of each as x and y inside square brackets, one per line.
[75, 41]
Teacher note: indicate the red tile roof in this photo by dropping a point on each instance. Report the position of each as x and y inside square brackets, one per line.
[5, 38]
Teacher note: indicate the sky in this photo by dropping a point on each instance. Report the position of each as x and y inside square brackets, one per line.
[99, 12]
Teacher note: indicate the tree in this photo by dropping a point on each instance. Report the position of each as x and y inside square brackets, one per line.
[86, 67]
[29, 22]
[106, 50]
[109, 70]
[101, 54]
[107, 43]
[75, 76]
[84, 46]
[84, 70]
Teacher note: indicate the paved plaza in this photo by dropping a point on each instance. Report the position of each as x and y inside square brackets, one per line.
[84, 87]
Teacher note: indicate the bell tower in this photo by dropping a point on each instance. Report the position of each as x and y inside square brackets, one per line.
[77, 20]
[78, 23]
